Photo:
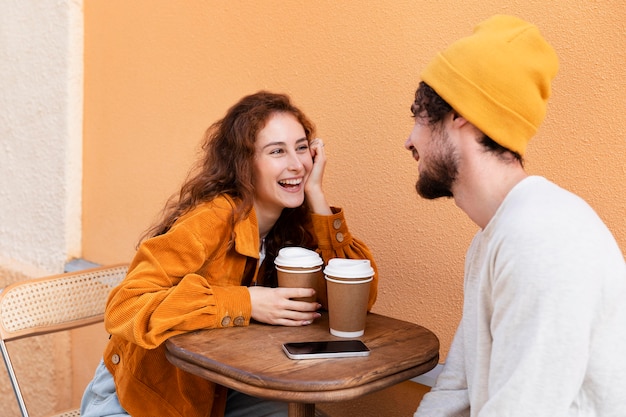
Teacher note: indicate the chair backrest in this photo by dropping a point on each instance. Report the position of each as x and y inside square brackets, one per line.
[52, 304]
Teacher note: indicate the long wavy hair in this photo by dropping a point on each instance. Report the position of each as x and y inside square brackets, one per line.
[226, 167]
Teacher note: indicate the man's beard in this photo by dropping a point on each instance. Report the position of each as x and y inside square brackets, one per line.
[437, 179]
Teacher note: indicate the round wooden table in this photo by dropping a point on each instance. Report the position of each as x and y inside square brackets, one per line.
[250, 359]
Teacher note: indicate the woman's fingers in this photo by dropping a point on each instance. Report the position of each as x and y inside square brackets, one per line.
[319, 159]
[275, 306]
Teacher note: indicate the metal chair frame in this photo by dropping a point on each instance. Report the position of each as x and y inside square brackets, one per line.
[53, 304]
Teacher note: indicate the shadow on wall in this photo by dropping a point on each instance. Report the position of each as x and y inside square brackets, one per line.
[403, 398]
[47, 385]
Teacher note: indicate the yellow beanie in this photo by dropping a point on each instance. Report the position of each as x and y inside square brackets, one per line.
[498, 78]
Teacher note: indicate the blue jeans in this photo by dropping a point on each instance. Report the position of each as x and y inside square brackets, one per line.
[100, 400]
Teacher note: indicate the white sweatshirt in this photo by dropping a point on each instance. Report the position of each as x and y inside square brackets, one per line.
[543, 331]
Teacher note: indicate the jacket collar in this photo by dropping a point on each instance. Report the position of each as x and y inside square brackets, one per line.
[247, 235]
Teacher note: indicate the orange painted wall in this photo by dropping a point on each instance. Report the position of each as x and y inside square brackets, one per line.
[158, 72]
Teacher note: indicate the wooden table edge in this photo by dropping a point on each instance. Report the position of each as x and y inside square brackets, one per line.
[333, 395]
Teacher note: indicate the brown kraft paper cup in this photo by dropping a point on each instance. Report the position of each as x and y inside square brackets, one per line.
[347, 305]
[296, 277]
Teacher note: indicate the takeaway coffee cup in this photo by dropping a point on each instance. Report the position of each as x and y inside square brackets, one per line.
[298, 267]
[348, 285]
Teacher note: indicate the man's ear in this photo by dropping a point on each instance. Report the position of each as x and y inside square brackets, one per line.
[457, 120]
[461, 123]
[456, 117]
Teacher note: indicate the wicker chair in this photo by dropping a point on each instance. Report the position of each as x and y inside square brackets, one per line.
[52, 304]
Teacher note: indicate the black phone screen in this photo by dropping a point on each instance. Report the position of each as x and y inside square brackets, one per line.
[325, 349]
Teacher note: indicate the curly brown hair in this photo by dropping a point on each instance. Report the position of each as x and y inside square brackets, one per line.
[429, 105]
[226, 167]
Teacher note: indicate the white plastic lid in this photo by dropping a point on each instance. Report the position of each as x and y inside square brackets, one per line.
[349, 268]
[295, 256]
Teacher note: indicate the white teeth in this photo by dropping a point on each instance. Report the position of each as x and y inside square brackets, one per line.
[290, 182]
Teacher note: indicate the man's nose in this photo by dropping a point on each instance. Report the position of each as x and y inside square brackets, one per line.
[408, 145]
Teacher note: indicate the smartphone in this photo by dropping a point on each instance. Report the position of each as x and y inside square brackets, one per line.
[327, 349]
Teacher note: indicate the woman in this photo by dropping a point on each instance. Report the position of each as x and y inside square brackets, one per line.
[209, 263]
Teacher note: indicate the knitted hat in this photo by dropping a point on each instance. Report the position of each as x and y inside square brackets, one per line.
[498, 78]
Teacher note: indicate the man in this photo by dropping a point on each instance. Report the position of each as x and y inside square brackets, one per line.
[543, 331]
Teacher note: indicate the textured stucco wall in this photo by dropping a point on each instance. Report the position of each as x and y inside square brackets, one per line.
[157, 73]
[40, 133]
[46, 378]
[40, 176]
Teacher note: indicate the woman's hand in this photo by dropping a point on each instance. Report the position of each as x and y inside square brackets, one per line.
[274, 306]
[313, 187]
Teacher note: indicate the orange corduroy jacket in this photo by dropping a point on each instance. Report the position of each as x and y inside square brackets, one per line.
[189, 279]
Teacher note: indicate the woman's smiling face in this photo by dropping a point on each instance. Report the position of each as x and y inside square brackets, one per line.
[282, 163]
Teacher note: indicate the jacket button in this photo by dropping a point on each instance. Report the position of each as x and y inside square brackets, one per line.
[339, 237]
[115, 358]
[225, 321]
[337, 223]
[239, 321]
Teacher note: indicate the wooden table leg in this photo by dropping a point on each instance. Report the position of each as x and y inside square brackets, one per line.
[301, 410]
